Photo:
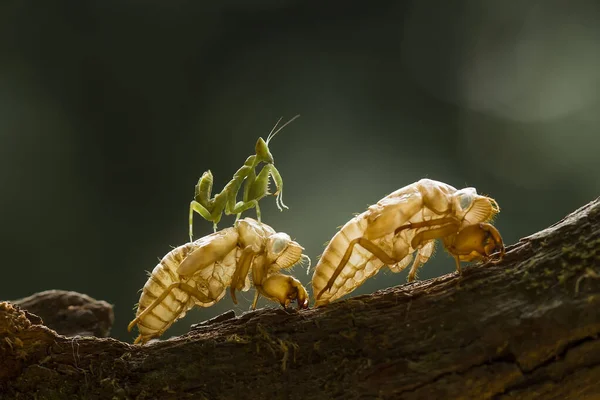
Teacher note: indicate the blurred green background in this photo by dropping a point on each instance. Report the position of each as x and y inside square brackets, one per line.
[110, 111]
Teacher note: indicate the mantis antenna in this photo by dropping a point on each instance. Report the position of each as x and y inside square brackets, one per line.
[275, 132]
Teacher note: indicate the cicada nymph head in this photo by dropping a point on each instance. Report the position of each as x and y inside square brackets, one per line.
[473, 208]
[281, 252]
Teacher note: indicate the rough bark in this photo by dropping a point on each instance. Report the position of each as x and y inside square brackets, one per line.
[524, 328]
[70, 313]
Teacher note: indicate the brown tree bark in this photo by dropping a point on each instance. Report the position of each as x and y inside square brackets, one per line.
[70, 313]
[524, 328]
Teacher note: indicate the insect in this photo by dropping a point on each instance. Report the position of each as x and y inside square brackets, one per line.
[406, 221]
[256, 186]
[199, 272]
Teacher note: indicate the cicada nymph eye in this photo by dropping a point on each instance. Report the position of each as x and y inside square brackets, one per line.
[465, 200]
[278, 243]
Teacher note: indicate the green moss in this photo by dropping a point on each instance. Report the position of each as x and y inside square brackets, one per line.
[287, 348]
[235, 338]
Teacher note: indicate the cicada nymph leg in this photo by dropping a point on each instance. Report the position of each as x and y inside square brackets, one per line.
[255, 301]
[423, 255]
[432, 222]
[241, 271]
[192, 291]
[284, 289]
[475, 242]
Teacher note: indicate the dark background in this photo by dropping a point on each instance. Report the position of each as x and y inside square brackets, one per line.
[110, 111]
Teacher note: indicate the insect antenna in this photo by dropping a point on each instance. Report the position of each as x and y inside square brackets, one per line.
[307, 258]
[275, 132]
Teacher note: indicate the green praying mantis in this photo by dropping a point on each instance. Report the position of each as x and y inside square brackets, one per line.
[256, 186]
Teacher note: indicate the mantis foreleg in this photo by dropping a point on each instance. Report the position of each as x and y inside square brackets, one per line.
[259, 188]
[203, 190]
[279, 184]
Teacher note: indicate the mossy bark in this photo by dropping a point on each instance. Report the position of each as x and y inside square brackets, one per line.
[524, 328]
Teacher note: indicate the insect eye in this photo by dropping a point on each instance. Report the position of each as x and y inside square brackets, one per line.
[279, 245]
[465, 200]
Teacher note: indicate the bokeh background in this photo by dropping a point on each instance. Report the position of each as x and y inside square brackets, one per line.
[110, 111]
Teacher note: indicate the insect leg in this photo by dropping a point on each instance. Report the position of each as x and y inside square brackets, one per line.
[259, 273]
[475, 242]
[256, 296]
[203, 189]
[177, 285]
[259, 186]
[498, 243]
[242, 206]
[435, 233]
[428, 223]
[427, 236]
[249, 184]
[284, 289]
[421, 258]
[367, 245]
[199, 208]
[279, 185]
[241, 271]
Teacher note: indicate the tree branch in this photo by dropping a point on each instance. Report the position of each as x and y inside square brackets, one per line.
[70, 313]
[516, 329]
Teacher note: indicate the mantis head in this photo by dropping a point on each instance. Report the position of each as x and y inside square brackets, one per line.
[262, 146]
[262, 152]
